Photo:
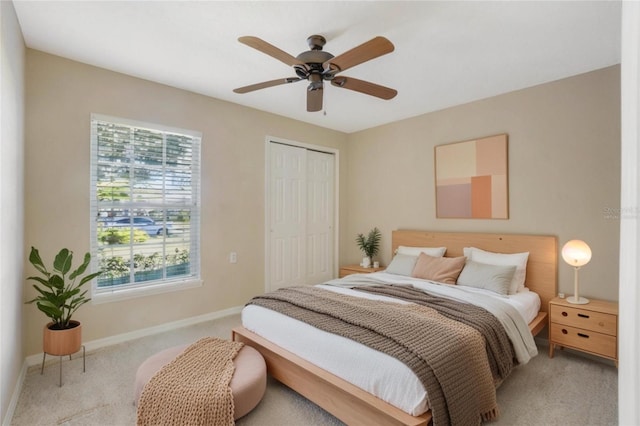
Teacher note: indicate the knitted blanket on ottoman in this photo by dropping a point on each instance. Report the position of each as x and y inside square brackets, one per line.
[193, 389]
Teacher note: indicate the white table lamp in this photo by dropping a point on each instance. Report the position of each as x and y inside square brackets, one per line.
[576, 253]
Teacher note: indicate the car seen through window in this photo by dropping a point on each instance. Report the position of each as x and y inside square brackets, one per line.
[143, 223]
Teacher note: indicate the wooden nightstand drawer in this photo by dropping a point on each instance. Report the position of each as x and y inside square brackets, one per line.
[586, 340]
[592, 327]
[585, 319]
[357, 269]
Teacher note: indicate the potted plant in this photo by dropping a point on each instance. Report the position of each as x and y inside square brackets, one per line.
[60, 295]
[369, 246]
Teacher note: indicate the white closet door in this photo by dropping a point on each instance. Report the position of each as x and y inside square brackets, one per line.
[301, 210]
[288, 200]
[320, 183]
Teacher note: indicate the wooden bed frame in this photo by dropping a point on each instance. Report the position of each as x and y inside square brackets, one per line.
[355, 406]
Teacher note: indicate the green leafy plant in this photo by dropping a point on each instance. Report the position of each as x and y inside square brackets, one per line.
[113, 267]
[121, 235]
[369, 244]
[60, 291]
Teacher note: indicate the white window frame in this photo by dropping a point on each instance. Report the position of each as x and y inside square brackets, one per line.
[132, 290]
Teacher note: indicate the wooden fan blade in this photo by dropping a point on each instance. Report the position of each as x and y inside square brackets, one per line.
[314, 100]
[270, 50]
[265, 84]
[373, 48]
[365, 87]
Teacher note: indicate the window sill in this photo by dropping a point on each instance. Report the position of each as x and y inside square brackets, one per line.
[132, 293]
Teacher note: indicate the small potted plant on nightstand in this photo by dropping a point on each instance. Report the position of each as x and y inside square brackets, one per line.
[369, 246]
[60, 295]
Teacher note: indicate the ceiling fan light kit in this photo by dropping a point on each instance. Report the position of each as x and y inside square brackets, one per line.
[318, 66]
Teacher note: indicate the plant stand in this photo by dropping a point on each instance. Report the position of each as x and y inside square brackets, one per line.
[84, 363]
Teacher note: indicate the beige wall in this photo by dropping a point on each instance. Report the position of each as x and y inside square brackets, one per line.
[564, 171]
[12, 61]
[61, 95]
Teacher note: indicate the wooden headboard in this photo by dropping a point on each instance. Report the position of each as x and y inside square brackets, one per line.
[542, 266]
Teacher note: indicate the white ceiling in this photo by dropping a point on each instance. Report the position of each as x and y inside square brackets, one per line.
[446, 53]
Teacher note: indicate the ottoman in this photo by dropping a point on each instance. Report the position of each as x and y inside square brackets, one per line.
[248, 383]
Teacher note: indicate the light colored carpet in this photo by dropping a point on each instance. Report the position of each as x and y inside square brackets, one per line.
[567, 390]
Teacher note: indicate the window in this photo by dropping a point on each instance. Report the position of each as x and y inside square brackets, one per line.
[145, 206]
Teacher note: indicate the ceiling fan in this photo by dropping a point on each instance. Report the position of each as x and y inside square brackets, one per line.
[316, 66]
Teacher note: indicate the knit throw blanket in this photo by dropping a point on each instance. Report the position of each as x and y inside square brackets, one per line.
[499, 348]
[448, 357]
[193, 389]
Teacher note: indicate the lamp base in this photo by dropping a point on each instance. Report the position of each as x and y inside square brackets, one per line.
[579, 301]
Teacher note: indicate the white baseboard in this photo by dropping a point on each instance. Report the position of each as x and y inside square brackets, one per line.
[125, 337]
[16, 395]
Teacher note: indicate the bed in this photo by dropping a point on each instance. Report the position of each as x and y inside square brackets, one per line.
[355, 406]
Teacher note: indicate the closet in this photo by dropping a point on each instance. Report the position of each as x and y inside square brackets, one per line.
[300, 215]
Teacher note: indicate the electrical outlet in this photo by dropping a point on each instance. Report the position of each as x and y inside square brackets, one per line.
[233, 257]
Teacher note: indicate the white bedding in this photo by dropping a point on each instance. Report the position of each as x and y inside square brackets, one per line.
[373, 371]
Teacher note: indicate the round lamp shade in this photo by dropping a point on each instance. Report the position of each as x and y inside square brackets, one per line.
[576, 253]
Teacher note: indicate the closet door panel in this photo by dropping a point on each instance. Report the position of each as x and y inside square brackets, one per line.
[320, 216]
[288, 201]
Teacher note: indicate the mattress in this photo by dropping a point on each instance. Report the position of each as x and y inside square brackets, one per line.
[377, 373]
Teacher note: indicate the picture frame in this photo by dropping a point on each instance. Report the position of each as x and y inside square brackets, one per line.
[472, 178]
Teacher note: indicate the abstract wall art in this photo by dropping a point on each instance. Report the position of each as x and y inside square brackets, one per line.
[472, 179]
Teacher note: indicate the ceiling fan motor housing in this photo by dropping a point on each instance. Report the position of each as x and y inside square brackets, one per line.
[313, 60]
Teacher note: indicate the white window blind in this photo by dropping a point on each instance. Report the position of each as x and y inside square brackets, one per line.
[145, 204]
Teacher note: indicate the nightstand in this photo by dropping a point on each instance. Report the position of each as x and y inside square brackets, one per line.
[591, 328]
[357, 269]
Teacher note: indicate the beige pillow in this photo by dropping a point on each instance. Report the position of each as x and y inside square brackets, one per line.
[440, 269]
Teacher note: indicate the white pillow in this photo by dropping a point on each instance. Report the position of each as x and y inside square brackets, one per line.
[496, 278]
[519, 260]
[402, 264]
[415, 251]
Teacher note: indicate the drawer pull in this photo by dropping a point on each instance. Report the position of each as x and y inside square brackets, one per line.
[583, 335]
[564, 331]
[583, 316]
[564, 314]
